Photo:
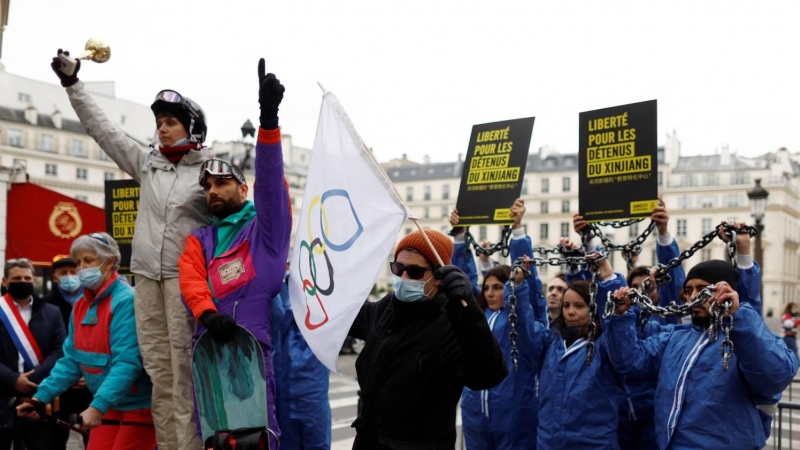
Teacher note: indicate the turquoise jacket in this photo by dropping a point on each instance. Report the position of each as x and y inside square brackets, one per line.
[102, 347]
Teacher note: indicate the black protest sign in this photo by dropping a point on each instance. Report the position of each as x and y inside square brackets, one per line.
[122, 205]
[493, 171]
[618, 162]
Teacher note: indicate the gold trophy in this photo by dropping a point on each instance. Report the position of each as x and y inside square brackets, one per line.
[96, 50]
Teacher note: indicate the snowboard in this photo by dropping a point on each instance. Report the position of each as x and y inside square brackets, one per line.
[230, 386]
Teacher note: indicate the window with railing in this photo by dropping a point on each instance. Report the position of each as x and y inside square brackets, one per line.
[681, 227]
[427, 193]
[543, 229]
[707, 201]
[445, 191]
[47, 143]
[566, 184]
[77, 149]
[740, 178]
[543, 207]
[565, 206]
[564, 229]
[545, 185]
[14, 137]
[706, 225]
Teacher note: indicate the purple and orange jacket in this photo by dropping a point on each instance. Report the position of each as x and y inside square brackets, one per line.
[102, 348]
[249, 274]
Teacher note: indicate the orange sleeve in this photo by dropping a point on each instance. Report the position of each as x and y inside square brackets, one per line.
[193, 278]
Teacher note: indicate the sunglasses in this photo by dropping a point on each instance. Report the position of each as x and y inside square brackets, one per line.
[414, 272]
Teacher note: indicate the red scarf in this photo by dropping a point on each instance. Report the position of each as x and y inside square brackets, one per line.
[175, 153]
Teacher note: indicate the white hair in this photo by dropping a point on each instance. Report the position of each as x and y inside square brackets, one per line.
[101, 244]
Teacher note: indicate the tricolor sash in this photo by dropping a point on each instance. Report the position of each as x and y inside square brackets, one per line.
[20, 333]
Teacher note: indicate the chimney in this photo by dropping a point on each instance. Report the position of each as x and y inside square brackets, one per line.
[426, 159]
[725, 156]
[672, 149]
[56, 117]
[405, 157]
[30, 115]
[544, 152]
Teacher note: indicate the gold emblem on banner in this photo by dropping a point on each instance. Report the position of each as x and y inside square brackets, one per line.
[65, 222]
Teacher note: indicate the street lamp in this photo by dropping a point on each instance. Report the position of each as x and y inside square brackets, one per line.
[247, 130]
[758, 205]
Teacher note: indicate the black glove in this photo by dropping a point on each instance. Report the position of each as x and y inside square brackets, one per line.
[222, 327]
[66, 80]
[455, 284]
[270, 94]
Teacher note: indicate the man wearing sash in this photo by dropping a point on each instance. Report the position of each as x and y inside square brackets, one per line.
[31, 334]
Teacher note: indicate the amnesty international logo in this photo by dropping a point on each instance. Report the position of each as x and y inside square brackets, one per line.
[65, 222]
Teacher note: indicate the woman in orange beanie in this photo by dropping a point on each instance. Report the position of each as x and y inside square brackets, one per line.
[424, 343]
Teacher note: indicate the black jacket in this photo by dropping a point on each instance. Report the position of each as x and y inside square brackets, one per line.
[47, 329]
[56, 299]
[417, 359]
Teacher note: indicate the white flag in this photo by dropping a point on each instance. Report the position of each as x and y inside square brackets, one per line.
[348, 225]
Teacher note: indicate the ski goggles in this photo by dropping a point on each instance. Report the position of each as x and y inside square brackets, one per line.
[414, 272]
[174, 98]
[220, 169]
[170, 96]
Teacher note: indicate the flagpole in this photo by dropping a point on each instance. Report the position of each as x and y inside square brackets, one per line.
[396, 193]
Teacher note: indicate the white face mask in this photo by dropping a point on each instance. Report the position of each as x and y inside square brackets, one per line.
[407, 290]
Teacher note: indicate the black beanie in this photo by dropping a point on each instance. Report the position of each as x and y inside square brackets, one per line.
[714, 271]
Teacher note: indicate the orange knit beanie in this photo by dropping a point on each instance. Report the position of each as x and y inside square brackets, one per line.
[415, 241]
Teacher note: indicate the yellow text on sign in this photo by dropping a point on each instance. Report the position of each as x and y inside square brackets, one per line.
[619, 166]
[643, 207]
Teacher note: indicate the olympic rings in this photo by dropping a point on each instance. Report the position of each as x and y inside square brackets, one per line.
[320, 246]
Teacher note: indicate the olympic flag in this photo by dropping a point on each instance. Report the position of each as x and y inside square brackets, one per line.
[348, 225]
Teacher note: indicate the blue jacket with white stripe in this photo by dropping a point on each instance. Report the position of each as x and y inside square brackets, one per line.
[577, 402]
[505, 417]
[697, 403]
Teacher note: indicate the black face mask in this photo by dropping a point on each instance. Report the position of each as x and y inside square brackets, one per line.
[571, 333]
[20, 290]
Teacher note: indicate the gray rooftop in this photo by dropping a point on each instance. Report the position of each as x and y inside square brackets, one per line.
[18, 115]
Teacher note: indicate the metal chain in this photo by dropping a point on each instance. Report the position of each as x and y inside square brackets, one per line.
[726, 323]
[646, 304]
[629, 250]
[501, 246]
[620, 223]
[513, 336]
[591, 327]
[662, 275]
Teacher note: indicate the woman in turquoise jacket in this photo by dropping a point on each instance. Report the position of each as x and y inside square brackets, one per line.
[102, 348]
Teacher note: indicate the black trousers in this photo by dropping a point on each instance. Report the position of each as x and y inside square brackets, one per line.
[35, 435]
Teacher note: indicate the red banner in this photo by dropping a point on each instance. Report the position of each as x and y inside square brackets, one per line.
[41, 223]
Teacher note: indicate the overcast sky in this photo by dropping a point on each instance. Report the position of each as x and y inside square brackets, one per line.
[416, 75]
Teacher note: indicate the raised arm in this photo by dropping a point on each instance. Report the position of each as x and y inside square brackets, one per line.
[462, 254]
[629, 354]
[271, 192]
[121, 148]
[483, 365]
